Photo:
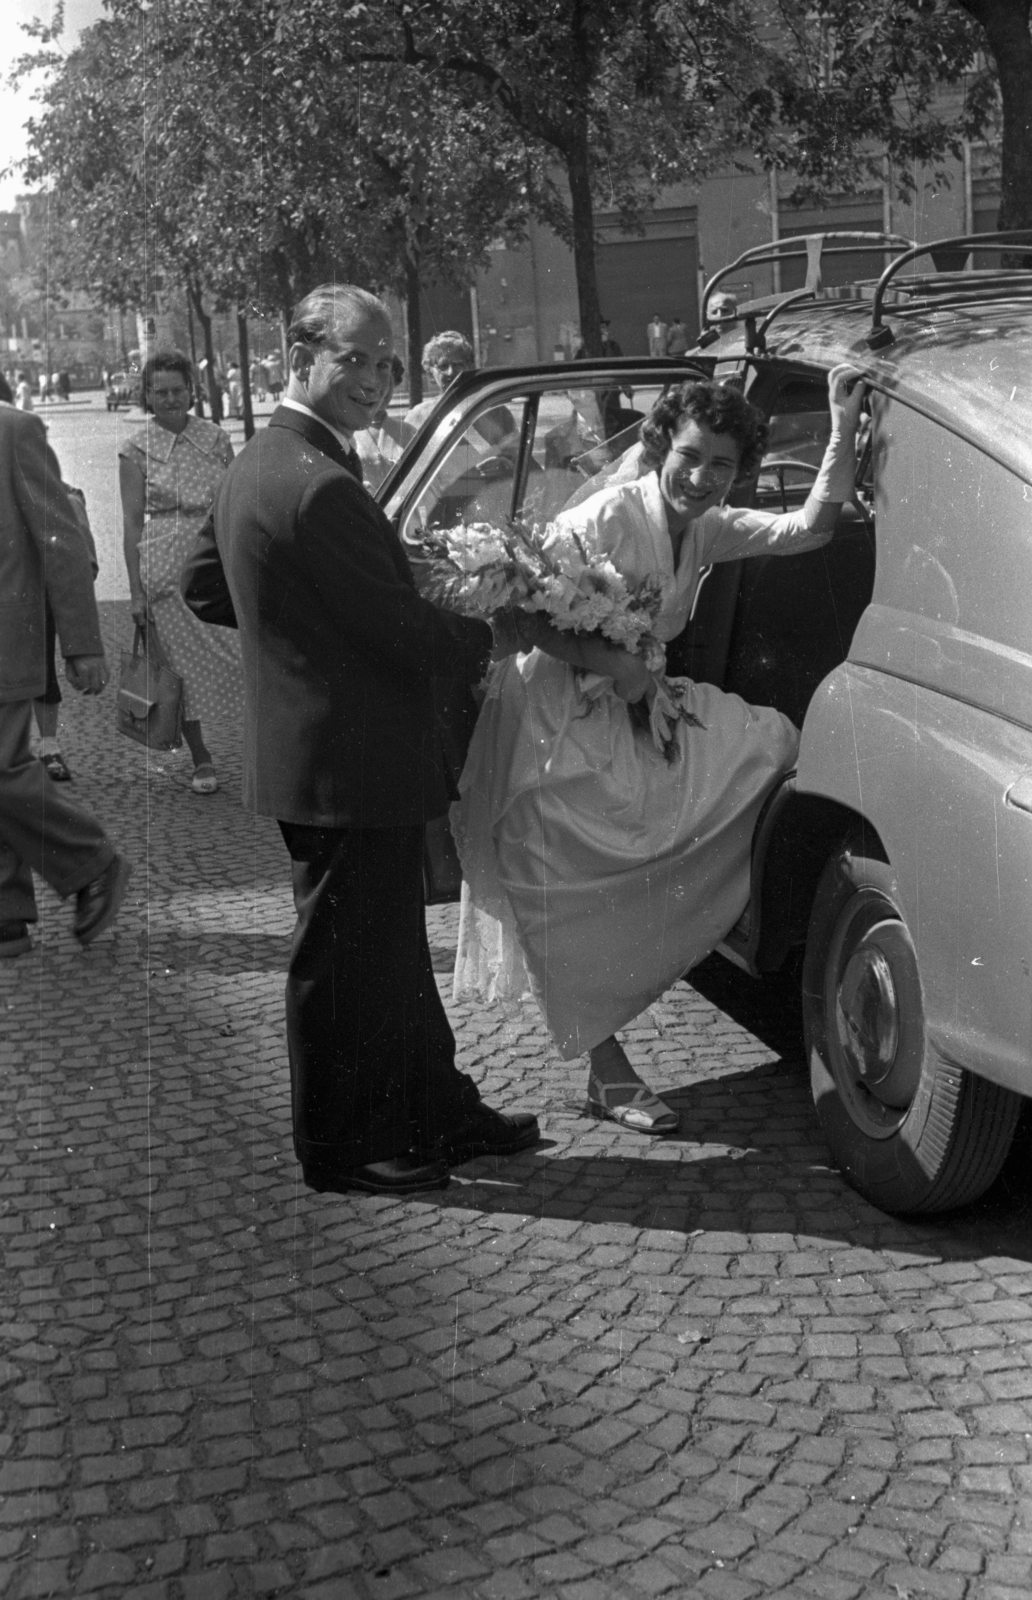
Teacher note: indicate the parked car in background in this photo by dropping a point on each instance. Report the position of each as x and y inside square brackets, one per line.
[121, 390]
[897, 858]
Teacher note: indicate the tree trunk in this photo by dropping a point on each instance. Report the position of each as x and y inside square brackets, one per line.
[198, 400]
[415, 332]
[214, 392]
[1009, 42]
[578, 172]
[286, 317]
[245, 374]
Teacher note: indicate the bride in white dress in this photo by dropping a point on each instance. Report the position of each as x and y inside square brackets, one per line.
[597, 873]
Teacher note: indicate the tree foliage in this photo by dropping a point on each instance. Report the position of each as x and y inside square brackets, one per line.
[249, 148]
[199, 143]
[831, 90]
[589, 90]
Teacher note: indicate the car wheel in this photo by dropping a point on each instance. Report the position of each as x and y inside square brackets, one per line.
[910, 1131]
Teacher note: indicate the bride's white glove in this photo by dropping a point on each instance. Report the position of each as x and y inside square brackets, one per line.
[834, 483]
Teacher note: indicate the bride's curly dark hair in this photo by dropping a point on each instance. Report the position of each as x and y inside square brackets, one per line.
[716, 406]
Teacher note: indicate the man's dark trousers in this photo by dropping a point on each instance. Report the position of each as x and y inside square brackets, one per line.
[372, 1055]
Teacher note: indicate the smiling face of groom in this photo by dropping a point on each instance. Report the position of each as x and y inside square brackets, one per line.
[344, 376]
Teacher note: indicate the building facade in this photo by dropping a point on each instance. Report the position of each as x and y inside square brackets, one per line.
[524, 307]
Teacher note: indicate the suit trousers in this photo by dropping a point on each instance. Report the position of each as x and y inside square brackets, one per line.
[40, 830]
[372, 1054]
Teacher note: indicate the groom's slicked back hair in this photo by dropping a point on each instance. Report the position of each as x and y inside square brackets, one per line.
[316, 316]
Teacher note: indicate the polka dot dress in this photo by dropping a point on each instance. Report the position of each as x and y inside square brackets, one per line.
[182, 472]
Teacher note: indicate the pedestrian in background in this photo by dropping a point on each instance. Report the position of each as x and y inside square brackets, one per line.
[168, 474]
[234, 392]
[492, 436]
[45, 561]
[344, 663]
[444, 357]
[721, 306]
[23, 393]
[677, 338]
[380, 445]
[274, 376]
[610, 401]
[656, 332]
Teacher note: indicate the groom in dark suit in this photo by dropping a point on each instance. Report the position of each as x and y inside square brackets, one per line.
[342, 663]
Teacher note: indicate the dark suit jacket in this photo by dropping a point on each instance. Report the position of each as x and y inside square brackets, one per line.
[344, 662]
[43, 559]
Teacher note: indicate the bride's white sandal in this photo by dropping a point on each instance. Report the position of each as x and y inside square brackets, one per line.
[644, 1113]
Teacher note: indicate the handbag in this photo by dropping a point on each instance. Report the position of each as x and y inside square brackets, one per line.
[149, 704]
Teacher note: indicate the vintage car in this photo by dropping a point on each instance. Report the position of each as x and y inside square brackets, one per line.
[898, 856]
[121, 390]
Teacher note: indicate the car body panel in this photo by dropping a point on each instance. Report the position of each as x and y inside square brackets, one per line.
[934, 777]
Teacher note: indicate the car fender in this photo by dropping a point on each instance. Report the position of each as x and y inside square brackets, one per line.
[934, 778]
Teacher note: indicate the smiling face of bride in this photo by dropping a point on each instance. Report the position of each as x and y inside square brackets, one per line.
[699, 469]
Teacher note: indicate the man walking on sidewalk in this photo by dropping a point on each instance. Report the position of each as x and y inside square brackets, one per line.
[44, 557]
[343, 665]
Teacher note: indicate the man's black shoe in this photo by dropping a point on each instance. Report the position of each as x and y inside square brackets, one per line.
[56, 767]
[400, 1175]
[14, 939]
[98, 903]
[486, 1132]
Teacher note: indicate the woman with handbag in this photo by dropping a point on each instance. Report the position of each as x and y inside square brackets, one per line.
[168, 474]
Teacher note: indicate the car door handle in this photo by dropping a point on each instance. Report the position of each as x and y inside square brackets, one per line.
[1019, 795]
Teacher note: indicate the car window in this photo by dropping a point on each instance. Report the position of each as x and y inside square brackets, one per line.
[473, 478]
[533, 455]
[799, 424]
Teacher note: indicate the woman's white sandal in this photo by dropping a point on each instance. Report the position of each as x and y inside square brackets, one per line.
[645, 1113]
[204, 780]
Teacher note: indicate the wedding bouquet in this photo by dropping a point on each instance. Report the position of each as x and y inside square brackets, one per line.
[479, 570]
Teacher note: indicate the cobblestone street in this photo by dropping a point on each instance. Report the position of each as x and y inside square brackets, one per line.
[607, 1367]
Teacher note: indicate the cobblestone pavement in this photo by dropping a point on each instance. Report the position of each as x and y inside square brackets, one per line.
[700, 1367]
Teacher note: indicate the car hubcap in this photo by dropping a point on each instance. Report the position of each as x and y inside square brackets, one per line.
[867, 1015]
[875, 1023]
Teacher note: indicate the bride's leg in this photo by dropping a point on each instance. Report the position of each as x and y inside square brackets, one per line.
[617, 1094]
[609, 1065]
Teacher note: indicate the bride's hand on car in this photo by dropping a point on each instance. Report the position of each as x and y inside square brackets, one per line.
[846, 390]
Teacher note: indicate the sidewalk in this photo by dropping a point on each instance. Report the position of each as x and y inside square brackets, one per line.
[605, 1368]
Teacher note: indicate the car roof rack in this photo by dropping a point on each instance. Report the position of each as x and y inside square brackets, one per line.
[811, 247]
[967, 287]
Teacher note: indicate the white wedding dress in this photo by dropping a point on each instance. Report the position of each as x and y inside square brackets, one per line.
[596, 874]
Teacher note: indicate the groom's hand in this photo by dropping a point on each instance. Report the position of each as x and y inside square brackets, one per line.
[631, 677]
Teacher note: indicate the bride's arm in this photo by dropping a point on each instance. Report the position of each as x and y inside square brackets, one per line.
[741, 531]
[630, 676]
[834, 483]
